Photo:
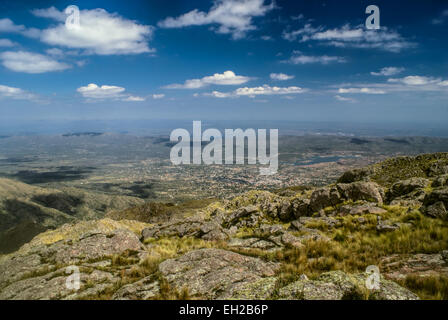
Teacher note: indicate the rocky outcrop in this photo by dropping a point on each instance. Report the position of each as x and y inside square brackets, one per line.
[399, 266]
[207, 230]
[368, 191]
[38, 270]
[435, 204]
[144, 289]
[337, 285]
[214, 273]
[408, 186]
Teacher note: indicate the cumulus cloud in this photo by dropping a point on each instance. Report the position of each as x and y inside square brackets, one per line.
[105, 92]
[28, 62]
[226, 78]
[6, 43]
[361, 90]
[7, 25]
[388, 71]
[417, 80]
[298, 58]
[233, 17]
[264, 90]
[158, 96]
[100, 33]
[354, 37]
[15, 93]
[281, 76]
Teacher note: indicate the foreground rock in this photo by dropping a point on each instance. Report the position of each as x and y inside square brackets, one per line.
[337, 285]
[398, 266]
[214, 273]
[38, 270]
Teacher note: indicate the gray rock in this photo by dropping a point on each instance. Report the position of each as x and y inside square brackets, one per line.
[436, 210]
[408, 186]
[441, 181]
[399, 266]
[39, 273]
[301, 208]
[252, 243]
[368, 191]
[207, 230]
[361, 209]
[258, 290]
[214, 273]
[324, 197]
[337, 285]
[143, 289]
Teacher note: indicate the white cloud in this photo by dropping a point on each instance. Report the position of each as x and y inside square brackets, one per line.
[281, 76]
[345, 99]
[232, 17]
[6, 43]
[106, 92]
[56, 52]
[7, 25]
[441, 19]
[299, 58]
[100, 32]
[21, 61]
[51, 13]
[361, 90]
[355, 37]
[158, 96]
[226, 78]
[15, 93]
[264, 90]
[417, 80]
[388, 71]
[412, 84]
[134, 99]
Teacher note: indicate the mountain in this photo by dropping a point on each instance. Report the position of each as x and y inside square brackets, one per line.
[27, 210]
[295, 243]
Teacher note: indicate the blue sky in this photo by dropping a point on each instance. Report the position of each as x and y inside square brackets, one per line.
[224, 59]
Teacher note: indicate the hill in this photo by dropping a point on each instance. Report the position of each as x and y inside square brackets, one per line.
[297, 243]
[27, 210]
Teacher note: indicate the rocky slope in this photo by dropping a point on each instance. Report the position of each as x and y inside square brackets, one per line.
[26, 210]
[298, 243]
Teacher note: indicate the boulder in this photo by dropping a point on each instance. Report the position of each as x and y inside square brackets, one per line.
[337, 285]
[301, 208]
[39, 272]
[356, 191]
[214, 273]
[143, 289]
[324, 197]
[435, 204]
[406, 187]
[441, 181]
[436, 210]
[399, 266]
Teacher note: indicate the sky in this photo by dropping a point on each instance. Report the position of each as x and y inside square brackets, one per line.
[224, 60]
